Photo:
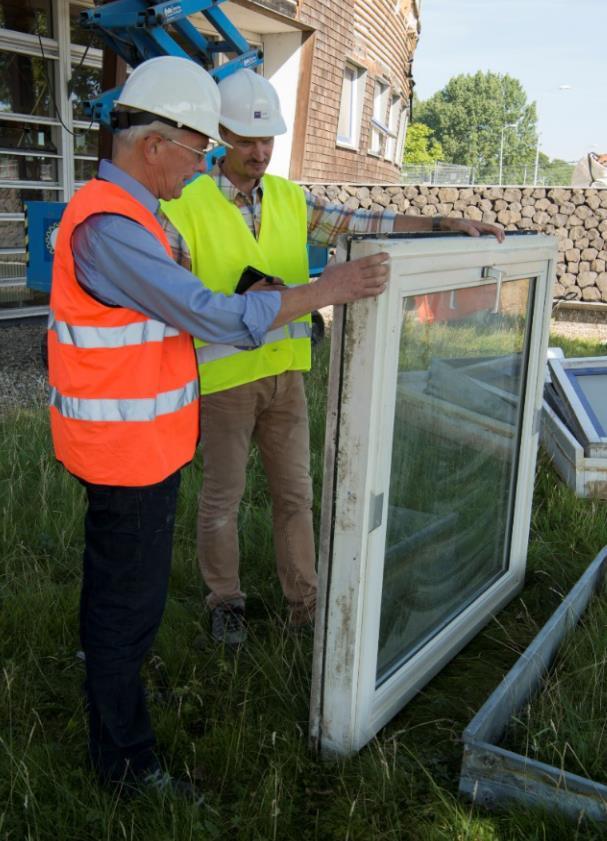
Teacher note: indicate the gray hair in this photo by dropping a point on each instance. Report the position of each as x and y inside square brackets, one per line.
[131, 135]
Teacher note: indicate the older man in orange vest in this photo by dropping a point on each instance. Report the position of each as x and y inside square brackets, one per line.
[124, 386]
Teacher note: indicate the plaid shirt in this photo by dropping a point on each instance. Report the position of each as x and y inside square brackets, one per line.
[325, 221]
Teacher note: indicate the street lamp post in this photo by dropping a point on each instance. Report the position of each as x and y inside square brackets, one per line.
[504, 127]
[537, 159]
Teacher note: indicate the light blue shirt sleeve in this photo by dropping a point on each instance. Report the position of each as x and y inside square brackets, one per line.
[123, 264]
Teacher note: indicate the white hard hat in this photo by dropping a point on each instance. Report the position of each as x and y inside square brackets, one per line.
[250, 106]
[177, 91]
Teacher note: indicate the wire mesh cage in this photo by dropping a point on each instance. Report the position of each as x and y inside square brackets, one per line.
[13, 291]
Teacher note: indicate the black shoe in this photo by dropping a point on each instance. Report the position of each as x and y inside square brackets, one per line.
[228, 624]
[162, 783]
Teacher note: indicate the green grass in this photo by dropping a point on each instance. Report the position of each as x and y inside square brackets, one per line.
[239, 724]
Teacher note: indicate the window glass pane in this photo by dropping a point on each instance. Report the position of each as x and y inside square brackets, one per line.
[86, 141]
[346, 109]
[12, 234]
[26, 136]
[393, 126]
[459, 396]
[402, 132]
[84, 170]
[591, 387]
[33, 16]
[24, 85]
[79, 35]
[375, 142]
[380, 102]
[394, 110]
[11, 200]
[86, 84]
[27, 168]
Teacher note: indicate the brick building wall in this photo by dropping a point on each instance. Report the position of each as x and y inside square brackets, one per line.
[378, 37]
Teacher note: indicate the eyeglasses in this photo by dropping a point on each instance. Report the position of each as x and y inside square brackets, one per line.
[200, 152]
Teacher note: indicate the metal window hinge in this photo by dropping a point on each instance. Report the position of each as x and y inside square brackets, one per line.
[537, 422]
[376, 510]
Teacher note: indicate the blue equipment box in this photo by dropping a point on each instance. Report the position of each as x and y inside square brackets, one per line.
[41, 226]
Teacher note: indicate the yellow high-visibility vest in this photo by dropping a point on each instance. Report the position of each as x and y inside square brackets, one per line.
[222, 246]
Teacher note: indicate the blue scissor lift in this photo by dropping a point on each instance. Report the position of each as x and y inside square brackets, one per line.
[136, 30]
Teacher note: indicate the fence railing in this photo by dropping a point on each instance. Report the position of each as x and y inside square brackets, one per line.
[525, 175]
[437, 173]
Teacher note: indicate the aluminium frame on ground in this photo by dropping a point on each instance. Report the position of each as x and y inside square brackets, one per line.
[497, 778]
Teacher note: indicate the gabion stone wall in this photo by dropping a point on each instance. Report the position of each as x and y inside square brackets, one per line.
[578, 218]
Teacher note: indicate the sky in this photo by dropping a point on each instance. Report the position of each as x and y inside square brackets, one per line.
[557, 49]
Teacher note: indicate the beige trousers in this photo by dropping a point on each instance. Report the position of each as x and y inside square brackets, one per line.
[272, 412]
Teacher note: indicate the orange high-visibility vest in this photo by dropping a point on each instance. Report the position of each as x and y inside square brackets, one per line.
[124, 387]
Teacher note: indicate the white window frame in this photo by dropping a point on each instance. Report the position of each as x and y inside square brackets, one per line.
[402, 135]
[379, 129]
[61, 55]
[394, 116]
[347, 708]
[94, 60]
[587, 426]
[357, 90]
[14, 41]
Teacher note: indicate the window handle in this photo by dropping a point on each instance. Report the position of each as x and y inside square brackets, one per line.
[493, 273]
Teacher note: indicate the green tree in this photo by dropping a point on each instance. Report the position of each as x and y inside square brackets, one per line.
[469, 114]
[554, 171]
[420, 146]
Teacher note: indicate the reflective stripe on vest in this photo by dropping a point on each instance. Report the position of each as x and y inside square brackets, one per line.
[296, 330]
[133, 409]
[88, 338]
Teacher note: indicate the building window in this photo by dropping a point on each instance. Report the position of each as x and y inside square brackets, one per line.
[392, 138]
[350, 109]
[46, 147]
[379, 126]
[402, 133]
[85, 84]
[24, 84]
[33, 16]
